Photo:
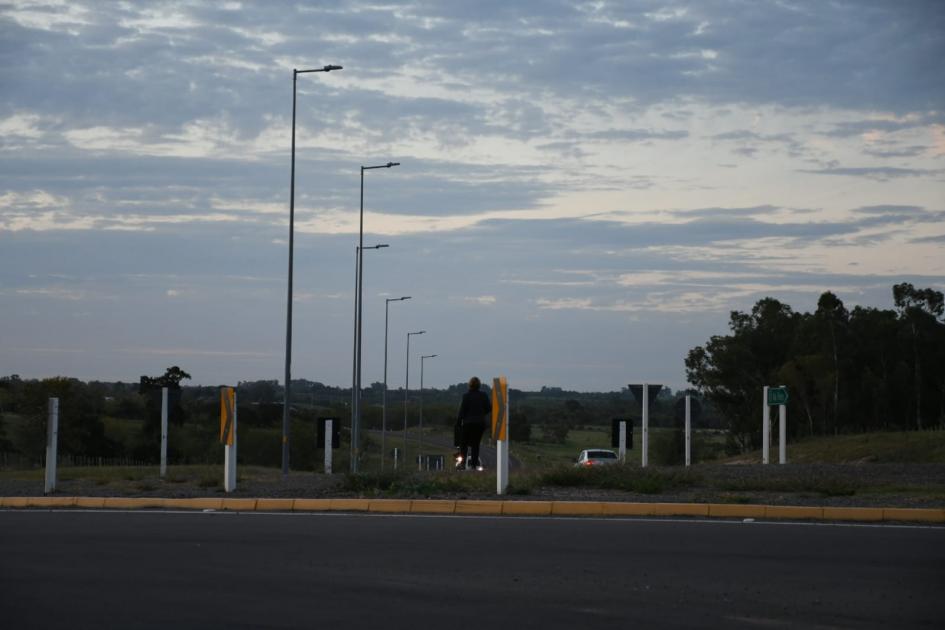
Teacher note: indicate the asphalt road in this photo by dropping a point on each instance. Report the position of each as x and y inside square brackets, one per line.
[199, 570]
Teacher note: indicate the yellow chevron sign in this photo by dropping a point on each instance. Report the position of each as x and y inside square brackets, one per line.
[227, 414]
[500, 408]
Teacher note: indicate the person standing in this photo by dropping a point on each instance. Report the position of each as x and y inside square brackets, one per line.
[472, 419]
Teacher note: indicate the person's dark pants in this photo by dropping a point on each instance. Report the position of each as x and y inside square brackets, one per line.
[471, 436]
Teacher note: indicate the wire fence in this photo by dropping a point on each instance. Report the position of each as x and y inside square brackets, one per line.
[18, 461]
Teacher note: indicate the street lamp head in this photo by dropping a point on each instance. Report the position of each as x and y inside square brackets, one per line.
[389, 164]
[381, 246]
[330, 68]
[419, 332]
[406, 297]
[428, 356]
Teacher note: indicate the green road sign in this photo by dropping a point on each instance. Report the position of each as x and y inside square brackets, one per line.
[777, 396]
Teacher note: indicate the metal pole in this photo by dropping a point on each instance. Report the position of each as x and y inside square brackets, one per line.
[782, 433]
[384, 393]
[288, 315]
[406, 389]
[420, 433]
[357, 424]
[765, 426]
[288, 321]
[229, 455]
[622, 440]
[644, 450]
[354, 360]
[329, 444]
[163, 432]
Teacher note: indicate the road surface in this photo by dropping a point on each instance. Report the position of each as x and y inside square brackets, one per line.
[198, 570]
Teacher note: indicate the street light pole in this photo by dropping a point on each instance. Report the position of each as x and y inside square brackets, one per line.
[387, 302]
[420, 441]
[407, 390]
[355, 425]
[355, 363]
[288, 324]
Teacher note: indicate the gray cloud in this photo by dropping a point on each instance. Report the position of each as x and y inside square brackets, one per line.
[878, 173]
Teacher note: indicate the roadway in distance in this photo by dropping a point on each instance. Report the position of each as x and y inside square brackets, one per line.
[196, 570]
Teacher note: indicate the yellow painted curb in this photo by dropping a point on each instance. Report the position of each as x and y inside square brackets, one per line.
[133, 503]
[17, 502]
[853, 514]
[274, 504]
[793, 511]
[311, 505]
[394, 506]
[200, 503]
[526, 508]
[577, 508]
[432, 506]
[736, 510]
[914, 514]
[468, 506]
[56, 502]
[625, 509]
[239, 505]
[90, 502]
[349, 505]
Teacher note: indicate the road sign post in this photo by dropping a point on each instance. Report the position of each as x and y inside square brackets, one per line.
[500, 431]
[52, 445]
[329, 425]
[765, 426]
[774, 397]
[228, 436]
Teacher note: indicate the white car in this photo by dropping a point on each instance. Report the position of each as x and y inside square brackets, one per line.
[596, 457]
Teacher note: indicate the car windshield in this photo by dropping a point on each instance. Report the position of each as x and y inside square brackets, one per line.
[602, 455]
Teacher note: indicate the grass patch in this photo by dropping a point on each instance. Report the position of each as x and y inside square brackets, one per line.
[398, 483]
[627, 478]
[824, 487]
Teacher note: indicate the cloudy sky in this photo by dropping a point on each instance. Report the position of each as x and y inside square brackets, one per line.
[586, 190]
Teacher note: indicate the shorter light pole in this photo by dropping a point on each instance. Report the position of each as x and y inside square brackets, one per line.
[407, 389]
[356, 360]
[420, 440]
[384, 395]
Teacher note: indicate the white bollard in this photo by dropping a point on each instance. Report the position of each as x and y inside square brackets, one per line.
[163, 432]
[622, 436]
[782, 434]
[502, 466]
[688, 430]
[328, 445]
[229, 456]
[396, 452]
[644, 449]
[52, 445]
[765, 426]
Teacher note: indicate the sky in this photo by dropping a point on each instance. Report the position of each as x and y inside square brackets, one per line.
[586, 189]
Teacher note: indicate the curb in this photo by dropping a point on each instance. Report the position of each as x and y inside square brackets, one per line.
[492, 508]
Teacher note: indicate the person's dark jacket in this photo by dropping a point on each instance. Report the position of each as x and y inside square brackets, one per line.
[474, 408]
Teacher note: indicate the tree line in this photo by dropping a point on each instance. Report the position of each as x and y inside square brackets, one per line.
[865, 369]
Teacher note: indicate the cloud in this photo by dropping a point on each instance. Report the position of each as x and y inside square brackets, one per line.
[482, 300]
[877, 173]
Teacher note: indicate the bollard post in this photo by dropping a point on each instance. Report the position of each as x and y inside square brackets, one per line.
[163, 432]
[229, 456]
[622, 440]
[396, 452]
[644, 449]
[782, 434]
[765, 426]
[688, 430]
[52, 445]
[328, 445]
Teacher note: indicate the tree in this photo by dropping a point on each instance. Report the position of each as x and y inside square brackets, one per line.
[919, 308]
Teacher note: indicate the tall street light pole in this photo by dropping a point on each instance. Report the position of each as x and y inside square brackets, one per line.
[355, 365]
[358, 289]
[407, 390]
[387, 302]
[420, 441]
[288, 324]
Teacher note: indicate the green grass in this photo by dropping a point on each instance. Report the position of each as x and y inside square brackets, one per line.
[912, 447]
[626, 477]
